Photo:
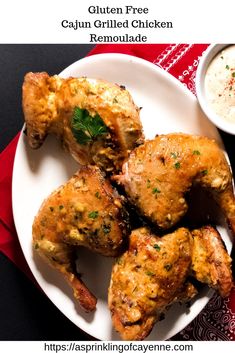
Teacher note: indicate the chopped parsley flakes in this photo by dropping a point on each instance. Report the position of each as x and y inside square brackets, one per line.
[196, 152]
[177, 165]
[156, 191]
[157, 247]
[168, 267]
[93, 214]
[204, 172]
[149, 273]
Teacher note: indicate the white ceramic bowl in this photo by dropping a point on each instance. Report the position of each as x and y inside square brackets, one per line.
[205, 61]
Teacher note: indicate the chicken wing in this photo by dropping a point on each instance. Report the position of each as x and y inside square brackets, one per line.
[85, 211]
[115, 127]
[154, 272]
[159, 173]
[211, 263]
[147, 279]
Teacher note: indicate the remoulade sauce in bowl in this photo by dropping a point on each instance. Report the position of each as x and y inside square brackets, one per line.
[215, 85]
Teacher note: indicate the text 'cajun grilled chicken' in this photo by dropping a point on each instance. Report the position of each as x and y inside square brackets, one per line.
[105, 129]
[153, 273]
[159, 173]
[85, 211]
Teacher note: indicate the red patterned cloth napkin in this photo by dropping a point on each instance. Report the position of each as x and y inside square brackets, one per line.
[217, 320]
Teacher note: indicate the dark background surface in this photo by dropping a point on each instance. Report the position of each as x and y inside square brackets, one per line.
[25, 312]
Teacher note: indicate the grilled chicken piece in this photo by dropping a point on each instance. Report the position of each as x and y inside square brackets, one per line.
[49, 103]
[153, 273]
[186, 293]
[146, 279]
[86, 211]
[159, 173]
[211, 263]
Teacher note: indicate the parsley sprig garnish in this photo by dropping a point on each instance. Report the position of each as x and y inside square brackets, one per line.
[86, 128]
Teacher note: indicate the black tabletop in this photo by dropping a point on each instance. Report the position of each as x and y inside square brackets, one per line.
[25, 312]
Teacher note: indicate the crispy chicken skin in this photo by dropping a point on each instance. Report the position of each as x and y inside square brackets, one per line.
[48, 105]
[153, 273]
[159, 173]
[147, 279]
[211, 263]
[85, 211]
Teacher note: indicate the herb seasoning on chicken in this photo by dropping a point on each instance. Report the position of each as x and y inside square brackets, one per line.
[74, 216]
[159, 173]
[154, 273]
[145, 281]
[97, 121]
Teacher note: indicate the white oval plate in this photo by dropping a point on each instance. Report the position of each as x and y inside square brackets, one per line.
[167, 107]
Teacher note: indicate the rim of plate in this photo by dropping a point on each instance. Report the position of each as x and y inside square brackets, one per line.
[65, 73]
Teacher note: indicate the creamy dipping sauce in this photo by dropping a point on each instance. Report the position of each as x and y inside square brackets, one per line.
[220, 84]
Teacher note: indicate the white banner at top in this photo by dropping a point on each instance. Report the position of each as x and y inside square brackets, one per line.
[123, 21]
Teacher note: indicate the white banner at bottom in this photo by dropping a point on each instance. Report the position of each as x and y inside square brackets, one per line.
[117, 346]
